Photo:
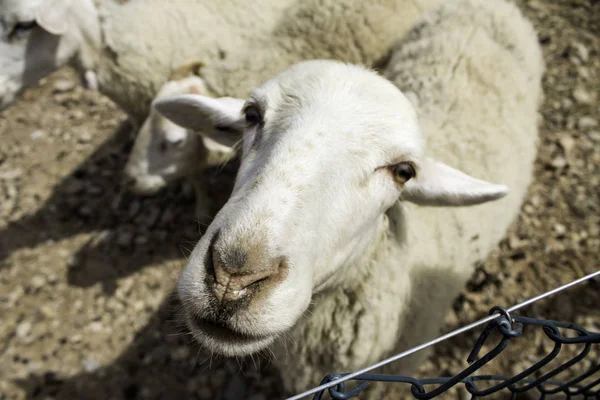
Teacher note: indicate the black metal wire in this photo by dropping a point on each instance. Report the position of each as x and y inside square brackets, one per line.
[510, 327]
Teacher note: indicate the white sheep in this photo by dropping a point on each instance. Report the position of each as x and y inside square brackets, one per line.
[164, 151]
[331, 249]
[125, 50]
[128, 50]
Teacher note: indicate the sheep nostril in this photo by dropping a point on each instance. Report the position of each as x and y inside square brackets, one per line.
[209, 259]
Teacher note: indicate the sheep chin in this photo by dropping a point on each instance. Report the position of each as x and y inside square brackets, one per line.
[222, 340]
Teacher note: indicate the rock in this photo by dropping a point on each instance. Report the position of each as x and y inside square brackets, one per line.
[559, 162]
[37, 134]
[11, 174]
[581, 51]
[582, 96]
[566, 104]
[84, 137]
[559, 229]
[594, 136]
[95, 326]
[90, 365]
[23, 330]
[38, 281]
[567, 143]
[583, 72]
[77, 114]
[14, 296]
[63, 86]
[587, 123]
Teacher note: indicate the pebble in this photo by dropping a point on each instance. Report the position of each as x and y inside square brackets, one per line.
[63, 86]
[90, 364]
[77, 114]
[565, 104]
[586, 123]
[582, 96]
[23, 330]
[95, 326]
[559, 162]
[583, 72]
[84, 137]
[581, 50]
[47, 311]
[11, 174]
[37, 134]
[594, 135]
[567, 143]
[559, 229]
[15, 295]
[38, 281]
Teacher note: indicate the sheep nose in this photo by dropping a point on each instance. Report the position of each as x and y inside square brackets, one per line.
[236, 274]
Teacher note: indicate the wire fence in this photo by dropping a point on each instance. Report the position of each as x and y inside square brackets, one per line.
[510, 327]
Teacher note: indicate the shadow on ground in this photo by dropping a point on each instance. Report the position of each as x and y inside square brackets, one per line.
[128, 231]
[161, 363]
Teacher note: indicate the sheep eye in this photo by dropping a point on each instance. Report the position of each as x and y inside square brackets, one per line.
[20, 29]
[252, 115]
[403, 172]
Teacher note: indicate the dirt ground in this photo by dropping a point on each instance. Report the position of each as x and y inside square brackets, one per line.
[86, 268]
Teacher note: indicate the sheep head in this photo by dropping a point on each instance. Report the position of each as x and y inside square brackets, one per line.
[164, 151]
[40, 36]
[327, 149]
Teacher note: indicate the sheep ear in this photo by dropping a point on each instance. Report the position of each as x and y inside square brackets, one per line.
[52, 16]
[219, 119]
[437, 184]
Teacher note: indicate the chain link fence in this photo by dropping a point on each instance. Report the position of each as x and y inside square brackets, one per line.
[536, 379]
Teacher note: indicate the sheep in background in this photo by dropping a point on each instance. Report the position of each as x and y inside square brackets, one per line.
[339, 244]
[164, 152]
[128, 51]
[303, 34]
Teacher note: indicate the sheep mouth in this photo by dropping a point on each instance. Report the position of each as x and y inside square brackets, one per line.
[221, 338]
